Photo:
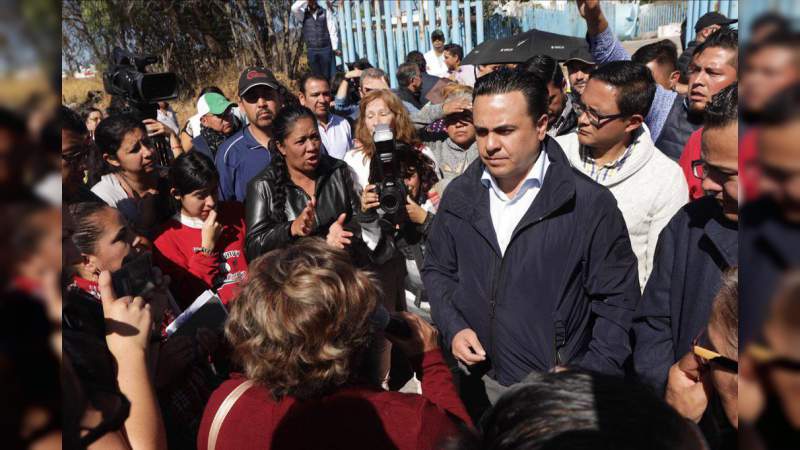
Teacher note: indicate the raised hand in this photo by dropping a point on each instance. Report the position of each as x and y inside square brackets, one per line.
[128, 320]
[369, 198]
[415, 212]
[337, 235]
[211, 231]
[304, 224]
[424, 337]
[688, 388]
[588, 8]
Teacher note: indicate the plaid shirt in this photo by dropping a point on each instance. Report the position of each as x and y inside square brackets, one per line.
[601, 173]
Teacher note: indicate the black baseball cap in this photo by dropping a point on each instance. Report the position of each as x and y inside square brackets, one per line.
[437, 35]
[256, 76]
[712, 18]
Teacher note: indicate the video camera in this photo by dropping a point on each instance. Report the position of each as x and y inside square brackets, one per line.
[127, 81]
[385, 174]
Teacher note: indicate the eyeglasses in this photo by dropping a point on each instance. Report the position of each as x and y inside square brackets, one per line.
[596, 120]
[766, 357]
[702, 169]
[701, 347]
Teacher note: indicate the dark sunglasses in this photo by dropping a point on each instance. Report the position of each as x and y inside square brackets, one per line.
[702, 348]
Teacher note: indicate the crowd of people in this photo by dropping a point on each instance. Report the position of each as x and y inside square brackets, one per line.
[560, 268]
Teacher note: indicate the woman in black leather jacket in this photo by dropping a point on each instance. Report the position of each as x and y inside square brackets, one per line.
[303, 192]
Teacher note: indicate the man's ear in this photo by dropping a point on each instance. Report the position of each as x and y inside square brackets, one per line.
[302, 97]
[110, 160]
[174, 192]
[541, 126]
[674, 78]
[635, 121]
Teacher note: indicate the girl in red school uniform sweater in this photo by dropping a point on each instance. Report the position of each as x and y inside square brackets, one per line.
[202, 246]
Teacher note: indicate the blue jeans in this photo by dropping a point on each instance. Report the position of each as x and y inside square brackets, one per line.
[321, 60]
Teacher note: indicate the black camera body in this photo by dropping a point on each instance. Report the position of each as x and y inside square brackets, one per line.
[136, 92]
[385, 173]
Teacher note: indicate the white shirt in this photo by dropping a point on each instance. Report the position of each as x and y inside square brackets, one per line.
[434, 64]
[507, 212]
[336, 136]
[110, 190]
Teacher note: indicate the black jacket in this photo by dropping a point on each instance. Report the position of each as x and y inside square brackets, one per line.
[566, 289]
[693, 250]
[679, 125]
[771, 246]
[335, 194]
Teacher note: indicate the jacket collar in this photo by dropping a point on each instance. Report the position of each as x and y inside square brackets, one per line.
[471, 202]
[725, 237]
[639, 152]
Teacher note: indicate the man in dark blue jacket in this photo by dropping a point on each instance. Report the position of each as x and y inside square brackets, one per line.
[771, 225]
[529, 265]
[693, 251]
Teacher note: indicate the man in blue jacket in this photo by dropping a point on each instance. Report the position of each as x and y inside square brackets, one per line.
[529, 265]
[698, 244]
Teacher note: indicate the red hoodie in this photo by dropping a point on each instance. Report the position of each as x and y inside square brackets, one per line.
[193, 272]
[353, 417]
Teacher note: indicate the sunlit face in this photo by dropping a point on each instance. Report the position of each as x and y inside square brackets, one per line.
[200, 202]
[721, 154]
[301, 146]
[460, 129]
[371, 84]
[220, 123]
[135, 154]
[317, 97]
[600, 99]
[451, 61]
[378, 112]
[92, 120]
[113, 245]
[578, 74]
[508, 137]
[710, 72]
[726, 383]
[779, 164]
[261, 104]
[767, 72]
[412, 182]
[438, 45]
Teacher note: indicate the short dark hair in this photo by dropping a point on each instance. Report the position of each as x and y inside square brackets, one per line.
[192, 171]
[455, 50]
[546, 68]
[71, 121]
[783, 108]
[634, 83]
[663, 52]
[726, 38]
[417, 58]
[308, 76]
[406, 72]
[575, 410]
[505, 81]
[437, 35]
[87, 111]
[722, 110]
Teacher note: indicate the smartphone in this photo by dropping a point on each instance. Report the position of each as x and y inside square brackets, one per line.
[135, 277]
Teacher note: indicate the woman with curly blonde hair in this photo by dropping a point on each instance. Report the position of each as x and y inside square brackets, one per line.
[299, 330]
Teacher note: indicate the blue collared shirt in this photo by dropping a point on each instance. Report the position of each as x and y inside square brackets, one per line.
[239, 159]
[507, 212]
[336, 136]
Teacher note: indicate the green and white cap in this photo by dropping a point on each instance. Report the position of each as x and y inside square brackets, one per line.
[213, 103]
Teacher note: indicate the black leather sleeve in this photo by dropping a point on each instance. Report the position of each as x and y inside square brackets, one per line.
[263, 234]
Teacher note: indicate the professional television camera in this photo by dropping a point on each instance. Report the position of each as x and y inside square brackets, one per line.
[138, 92]
[385, 174]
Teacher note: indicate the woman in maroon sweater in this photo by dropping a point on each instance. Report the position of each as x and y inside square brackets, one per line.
[299, 329]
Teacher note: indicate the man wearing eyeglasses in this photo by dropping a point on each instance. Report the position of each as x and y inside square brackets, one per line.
[612, 146]
[694, 249]
[244, 155]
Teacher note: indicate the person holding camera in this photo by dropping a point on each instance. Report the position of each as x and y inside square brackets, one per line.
[300, 330]
[128, 165]
[181, 363]
[202, 246]
[302, 193]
